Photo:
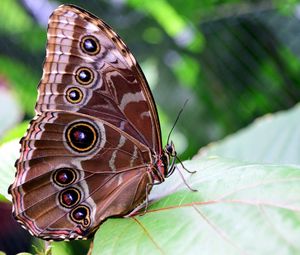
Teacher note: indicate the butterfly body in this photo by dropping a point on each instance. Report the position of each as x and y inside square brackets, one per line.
[94, 149]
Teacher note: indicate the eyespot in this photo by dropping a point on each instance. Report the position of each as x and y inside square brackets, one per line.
[81, 136]
[124, 52]
[81, 214]
[90, 45]
[74, 95]
[84, 75]
[69, 197]
[64, 176]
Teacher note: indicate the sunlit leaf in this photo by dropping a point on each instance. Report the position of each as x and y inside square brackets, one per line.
[187, 71]
[2, 198]
[173, 23]
[61, 248]
[164, 14]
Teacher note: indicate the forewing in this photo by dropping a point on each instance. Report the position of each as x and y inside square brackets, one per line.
[117, 91]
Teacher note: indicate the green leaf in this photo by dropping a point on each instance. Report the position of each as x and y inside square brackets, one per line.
[174, 24]
[164, 13]
[9, 152]
[13, 17]
[273, 138]
[3, 199]
[23, 81]
[61, 248]
[8, 101]
[69, 248]
[15, 133]
[239, 208]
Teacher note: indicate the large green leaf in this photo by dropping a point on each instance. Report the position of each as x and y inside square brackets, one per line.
[273, 138]
[238, 209]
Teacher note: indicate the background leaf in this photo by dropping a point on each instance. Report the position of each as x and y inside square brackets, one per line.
[8, 155]
[15, 133]
[273, 138]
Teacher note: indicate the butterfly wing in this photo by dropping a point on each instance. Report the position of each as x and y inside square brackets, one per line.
[116, 92]
[89, 152]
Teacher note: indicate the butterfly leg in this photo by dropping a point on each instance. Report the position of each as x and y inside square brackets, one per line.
[136, 211]
[145, 204]
[174, 166]
[48, 247]
[91, 248]
[148, 188]
[191, 172]
[184, 180]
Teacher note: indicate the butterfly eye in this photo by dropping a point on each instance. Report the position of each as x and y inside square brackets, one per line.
[69, 197]
[64, 176]
[81, 215]
[74, 95]
[90, 45]
[84, 76]
[81, 136]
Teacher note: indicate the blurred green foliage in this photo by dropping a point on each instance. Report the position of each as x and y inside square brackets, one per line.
[234, 60]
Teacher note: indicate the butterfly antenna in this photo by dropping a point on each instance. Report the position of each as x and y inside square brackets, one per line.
[176, 120]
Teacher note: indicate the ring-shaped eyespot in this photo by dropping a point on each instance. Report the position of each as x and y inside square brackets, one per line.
[74, 95]
[81, 136]
[84, 76]
[69, 197]
[81, 214]
[90, 45]
[64, 176]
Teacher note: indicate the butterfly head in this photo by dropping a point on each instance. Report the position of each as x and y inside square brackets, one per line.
[166, 162]
[170, 150]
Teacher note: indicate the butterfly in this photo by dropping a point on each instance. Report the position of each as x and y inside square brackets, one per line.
[94, 148]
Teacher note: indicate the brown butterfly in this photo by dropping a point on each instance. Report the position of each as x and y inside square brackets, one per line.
[94, 148]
